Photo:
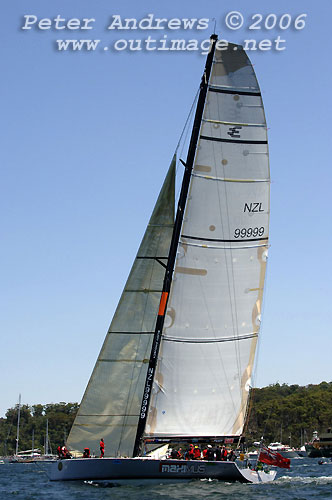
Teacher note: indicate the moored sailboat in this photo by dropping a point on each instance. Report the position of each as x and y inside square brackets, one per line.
[193, 298]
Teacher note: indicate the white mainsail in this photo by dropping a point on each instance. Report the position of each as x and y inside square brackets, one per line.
[111, 403]
[210, 333]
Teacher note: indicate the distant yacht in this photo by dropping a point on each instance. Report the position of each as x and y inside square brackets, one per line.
[284, 450]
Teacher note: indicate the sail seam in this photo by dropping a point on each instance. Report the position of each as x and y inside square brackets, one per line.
[212, 341]
[225, 179]
[217, 139]
[213, 247]
[236, 92]
[222, 241]
[208, 120]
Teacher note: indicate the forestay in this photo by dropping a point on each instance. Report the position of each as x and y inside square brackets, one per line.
[213, 317]
[111, 403]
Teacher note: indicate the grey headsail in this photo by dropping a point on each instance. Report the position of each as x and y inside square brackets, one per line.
[112, 400]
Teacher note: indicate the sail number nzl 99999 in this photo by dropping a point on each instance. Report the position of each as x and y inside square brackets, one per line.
[248, 232]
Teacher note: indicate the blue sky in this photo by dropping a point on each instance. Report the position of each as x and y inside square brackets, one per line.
[86, 141]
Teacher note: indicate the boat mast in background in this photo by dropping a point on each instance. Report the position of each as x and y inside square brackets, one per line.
[18, 423]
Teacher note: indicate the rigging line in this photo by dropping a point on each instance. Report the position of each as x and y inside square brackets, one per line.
[207, 309]
[230, 279]
[232, 267]
[211, 323]
[204, 297]
[187, 120]
[210, 365]
[185, 133]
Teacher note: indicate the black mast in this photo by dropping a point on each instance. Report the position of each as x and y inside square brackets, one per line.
[173, 248]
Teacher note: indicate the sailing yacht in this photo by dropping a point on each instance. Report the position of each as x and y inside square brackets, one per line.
[176, 363]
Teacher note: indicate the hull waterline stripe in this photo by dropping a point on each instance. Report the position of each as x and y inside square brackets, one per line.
[217, 139]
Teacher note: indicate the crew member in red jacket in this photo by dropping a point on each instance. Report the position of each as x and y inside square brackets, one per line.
[102, 448]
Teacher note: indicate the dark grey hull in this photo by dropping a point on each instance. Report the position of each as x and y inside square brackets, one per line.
[322, 451]
[149, 469]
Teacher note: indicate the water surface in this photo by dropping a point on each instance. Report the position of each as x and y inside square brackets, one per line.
[304, 481]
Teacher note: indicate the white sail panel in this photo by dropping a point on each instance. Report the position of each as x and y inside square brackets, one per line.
[200, 404]
[213, 315]
[111, 403]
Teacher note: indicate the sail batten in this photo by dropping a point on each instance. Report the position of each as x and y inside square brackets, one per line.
[210, 341]
[232, 141]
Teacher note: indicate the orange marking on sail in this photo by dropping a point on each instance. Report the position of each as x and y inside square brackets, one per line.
[162, 305]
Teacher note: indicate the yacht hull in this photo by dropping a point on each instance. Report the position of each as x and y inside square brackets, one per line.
[147, 469]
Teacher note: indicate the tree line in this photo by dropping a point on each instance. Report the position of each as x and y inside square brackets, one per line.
[32, 429]
[289, 413]
[286, 413]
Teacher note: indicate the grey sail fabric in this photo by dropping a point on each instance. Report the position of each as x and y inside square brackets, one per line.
[111, 403]
[207, 353]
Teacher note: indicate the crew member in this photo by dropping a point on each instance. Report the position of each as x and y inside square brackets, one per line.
[102, 448]
[210, 453]
[191, 452]
[218, 453]
[197, 453]
[223, 453]
[65, 453]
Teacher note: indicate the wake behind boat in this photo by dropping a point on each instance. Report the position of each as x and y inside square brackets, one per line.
[193, 298]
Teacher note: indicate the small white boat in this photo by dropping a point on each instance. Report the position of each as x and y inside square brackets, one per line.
[284, 450]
